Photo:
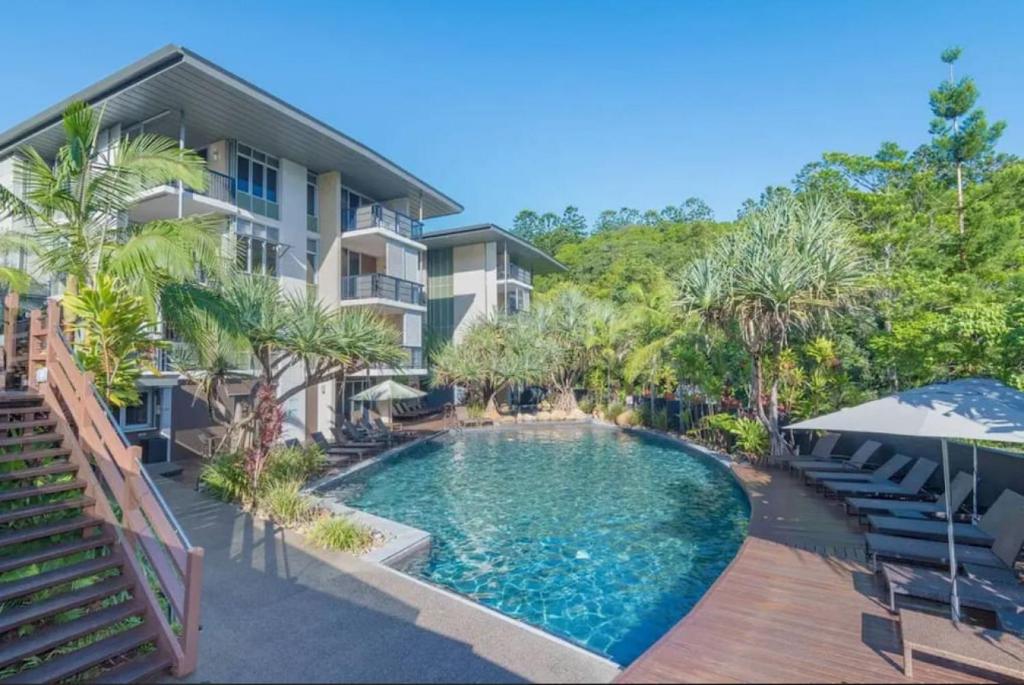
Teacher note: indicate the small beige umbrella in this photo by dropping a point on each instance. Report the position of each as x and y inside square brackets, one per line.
[388, 391]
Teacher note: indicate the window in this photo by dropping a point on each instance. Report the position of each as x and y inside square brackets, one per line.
[312, 259]
[143, 415]
[354, 264]
[350, 202]
[256, 247]
[311, 194]
[257, 173]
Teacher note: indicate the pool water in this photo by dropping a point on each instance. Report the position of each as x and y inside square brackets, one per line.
[602, 538]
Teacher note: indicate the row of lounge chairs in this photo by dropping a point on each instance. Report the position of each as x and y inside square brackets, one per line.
[907, 538]
[411, 409]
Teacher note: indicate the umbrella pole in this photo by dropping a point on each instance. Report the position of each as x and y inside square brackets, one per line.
[974, 492]
[954, 597]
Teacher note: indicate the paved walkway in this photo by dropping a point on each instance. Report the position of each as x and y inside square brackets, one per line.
[798, 604]
[275, 610]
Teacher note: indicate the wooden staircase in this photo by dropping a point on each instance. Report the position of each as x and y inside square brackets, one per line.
[97, 580]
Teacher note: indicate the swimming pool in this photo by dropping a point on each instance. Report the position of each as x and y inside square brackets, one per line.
[600, 537]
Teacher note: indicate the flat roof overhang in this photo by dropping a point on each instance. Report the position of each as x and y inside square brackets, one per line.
[524, 253]
[219, 105]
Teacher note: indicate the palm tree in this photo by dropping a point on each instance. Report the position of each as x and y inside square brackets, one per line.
[655, 326]
[281, 332]
[790, 267]
[73, 209]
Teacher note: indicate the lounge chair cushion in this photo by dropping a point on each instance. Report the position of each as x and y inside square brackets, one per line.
[839, 463]
[927, 551]
[930, 530]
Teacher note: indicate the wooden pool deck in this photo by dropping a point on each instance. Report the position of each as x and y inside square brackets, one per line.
[797, 604]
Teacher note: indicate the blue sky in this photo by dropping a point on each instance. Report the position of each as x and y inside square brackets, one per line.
[543, 104]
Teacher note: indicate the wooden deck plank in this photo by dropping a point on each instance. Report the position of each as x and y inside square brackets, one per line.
[797, 604]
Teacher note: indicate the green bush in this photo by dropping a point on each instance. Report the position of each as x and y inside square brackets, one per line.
[614, 410]
[475, 411]
[284, 502]
[225, 477]
[341, 534]
[292, 463]
[751, 437]
[660, 421]
[586, 405]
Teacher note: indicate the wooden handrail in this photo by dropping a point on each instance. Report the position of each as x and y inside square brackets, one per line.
[148, 529]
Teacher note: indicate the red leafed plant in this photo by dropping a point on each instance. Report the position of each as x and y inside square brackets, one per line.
[269, 421]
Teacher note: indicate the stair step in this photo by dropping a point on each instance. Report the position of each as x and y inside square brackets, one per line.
[69, 664]
[31, 438]
[48, 489]
[33, 423]
[138, 670]
[46, 508]
[54, 636]
[58, 576]
[35, 611]
[16, 537]
[31, 455]
[37, 471]
[63, 549]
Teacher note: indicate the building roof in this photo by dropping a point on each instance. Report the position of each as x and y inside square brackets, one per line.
[218, 104]
[523, 252]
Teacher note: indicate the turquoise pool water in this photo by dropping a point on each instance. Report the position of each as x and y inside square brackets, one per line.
[599, 537]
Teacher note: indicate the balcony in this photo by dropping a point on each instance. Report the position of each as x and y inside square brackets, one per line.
[384, 287]
[218, 187]
[514, 273]
[378, 216]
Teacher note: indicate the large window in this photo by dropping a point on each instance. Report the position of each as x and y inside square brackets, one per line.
[350, 202]
[257, 180]
[256, 248]
[311, 194]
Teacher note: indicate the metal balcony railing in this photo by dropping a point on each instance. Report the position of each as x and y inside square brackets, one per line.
[412, 358]
[379, 216]
[218, 186]
[514, 272]
[383, 286]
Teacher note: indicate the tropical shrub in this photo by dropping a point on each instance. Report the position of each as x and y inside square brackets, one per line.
[293, 463]
[586, 405]
[751, 437]
[475, 411]
[660, 420]
[225, 477]
[339, 534]
[284, 502]
[614, 410]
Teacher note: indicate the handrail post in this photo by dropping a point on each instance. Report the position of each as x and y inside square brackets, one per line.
[132, 481]
[190, 621]
[35, 332]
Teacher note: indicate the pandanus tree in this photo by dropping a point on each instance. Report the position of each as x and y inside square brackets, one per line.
[493, 353]
[295, 342]
[790, 266]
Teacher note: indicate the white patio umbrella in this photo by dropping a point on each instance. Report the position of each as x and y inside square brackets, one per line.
[388, 391]
[968, 409]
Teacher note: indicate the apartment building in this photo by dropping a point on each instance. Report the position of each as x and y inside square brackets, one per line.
[301, 201]
[474, 271]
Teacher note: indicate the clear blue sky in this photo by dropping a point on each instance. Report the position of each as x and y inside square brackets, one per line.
[543, 104]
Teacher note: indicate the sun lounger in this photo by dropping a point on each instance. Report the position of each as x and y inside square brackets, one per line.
[342, 448]
[292, 442]
[982, 534]
[960, 489]
[1006, 524]
[1004, 599]
[909, 487]
[938, 636]
[890, 468]
[856, 462]
[822, 449]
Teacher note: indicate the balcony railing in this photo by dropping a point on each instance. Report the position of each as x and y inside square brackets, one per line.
[514, 272]
[412, 358]
[218, 186]
[378, 216]
[382, 286]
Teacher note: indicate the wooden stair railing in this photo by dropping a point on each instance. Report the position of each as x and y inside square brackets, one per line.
[168, 569]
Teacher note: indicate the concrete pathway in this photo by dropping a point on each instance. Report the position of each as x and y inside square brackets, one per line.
[276, 610]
